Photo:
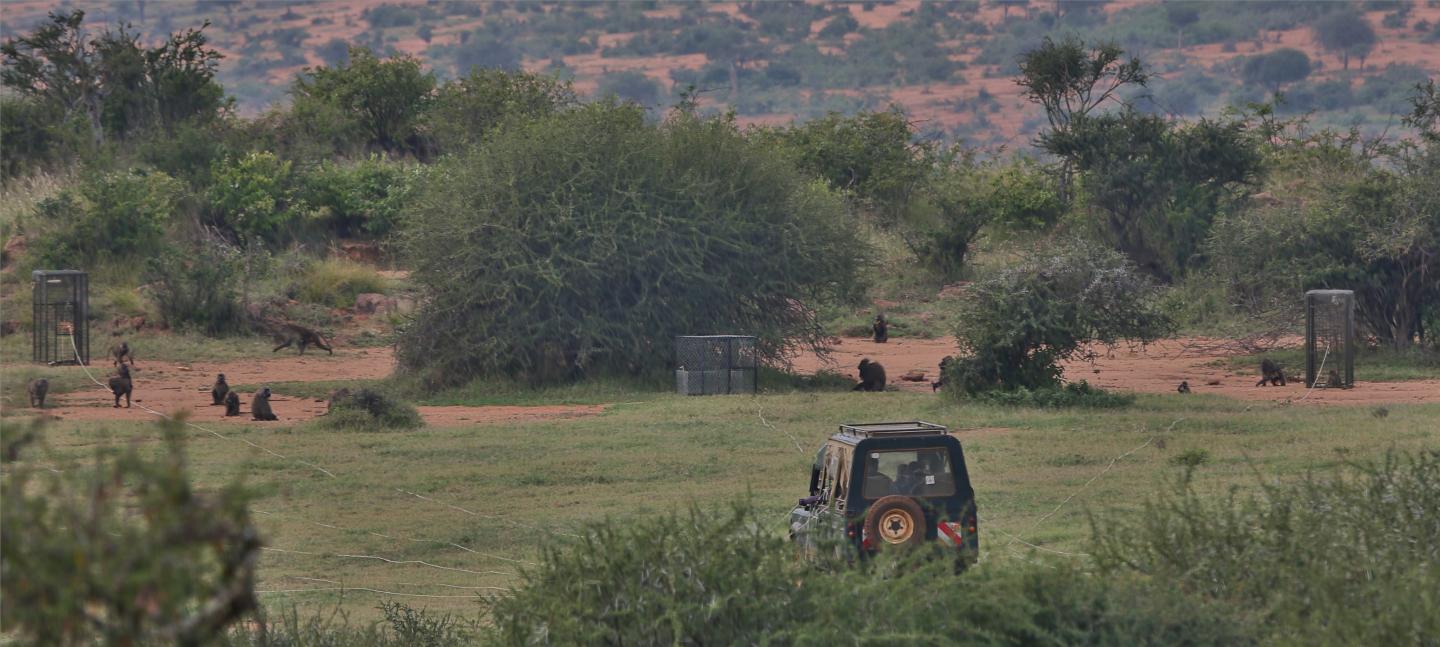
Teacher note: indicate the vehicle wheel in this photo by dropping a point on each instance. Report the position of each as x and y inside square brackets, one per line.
[895, 520]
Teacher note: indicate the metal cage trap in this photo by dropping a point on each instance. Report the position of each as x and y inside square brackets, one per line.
[1330, 338]
[716, 364]
[61, 302]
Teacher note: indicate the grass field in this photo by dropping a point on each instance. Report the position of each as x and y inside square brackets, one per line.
[499, 491]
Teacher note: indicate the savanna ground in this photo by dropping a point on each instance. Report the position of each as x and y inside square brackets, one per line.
[442, 514]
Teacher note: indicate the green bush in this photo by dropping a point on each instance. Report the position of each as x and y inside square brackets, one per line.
[1343, 559]
[109, 217]
[197, 288]
[336, 282]
[1072, 395]
[1016, 328]
[580, 243]
[370, 410]
[366, 197]
[254, 195]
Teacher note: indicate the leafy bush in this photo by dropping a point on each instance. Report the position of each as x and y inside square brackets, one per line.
[403, 627]
[382, 100]
[370, 409]
[254, 195]
[1277, 68]
[1072, 395]
[1016, 328]
[197, 288]
[1344, 559]
[366, 197]
[631, 86]
[112, 216]
[468, 109]
[584, 241]
[336, 282]
[126, 551]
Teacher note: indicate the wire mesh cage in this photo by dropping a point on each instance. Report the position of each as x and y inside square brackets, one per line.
[716, 364]
[61, 301]
[1330, 338]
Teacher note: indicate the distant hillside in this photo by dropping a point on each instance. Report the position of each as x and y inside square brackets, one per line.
[949, 64]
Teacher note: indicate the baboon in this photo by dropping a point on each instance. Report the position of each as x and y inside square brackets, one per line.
[232, 404]
[38, 388]
[945, 363]
[217, 392]
[336, 396]
[872, 376]
[122, 385]
[288, 333]
[1271, 372]
[1332, 380]
[881, 329]
[1184, 386]
[121, 352]
[260, 406]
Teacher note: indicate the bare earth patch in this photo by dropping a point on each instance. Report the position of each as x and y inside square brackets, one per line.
[1158, 368]
[171, 388]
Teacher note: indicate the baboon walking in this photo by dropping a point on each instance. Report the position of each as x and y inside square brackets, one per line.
[37, 389]
[122, 385]
[260, 406]
[121, 352]
[218, 392]
[1184, 386]
[1271, 372]
[881, 329]
[945, 363]
[232, 404]
[288, 333]
[872, 376]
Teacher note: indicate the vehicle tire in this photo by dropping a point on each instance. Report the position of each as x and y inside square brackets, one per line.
[895, 520]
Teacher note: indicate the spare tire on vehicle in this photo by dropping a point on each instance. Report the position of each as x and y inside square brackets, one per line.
[895, 520]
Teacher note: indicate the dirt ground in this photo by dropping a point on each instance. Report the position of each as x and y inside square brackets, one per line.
[170, 388]
[1158, 368]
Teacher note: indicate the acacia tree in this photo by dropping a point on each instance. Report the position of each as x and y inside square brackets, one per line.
[383, 99]
[1346, 32]
[583, 242]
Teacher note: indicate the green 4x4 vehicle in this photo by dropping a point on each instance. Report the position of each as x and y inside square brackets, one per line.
[888, 484]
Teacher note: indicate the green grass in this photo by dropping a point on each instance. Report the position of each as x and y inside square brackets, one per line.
[1381, 365]
[335, 282]
[654, 452]
[150, 346]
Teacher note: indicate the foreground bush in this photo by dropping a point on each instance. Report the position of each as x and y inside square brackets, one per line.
[1074, 394]
[1348, 559]
[370, 410]
[585, 241]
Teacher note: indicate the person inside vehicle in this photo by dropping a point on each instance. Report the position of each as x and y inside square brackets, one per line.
[911, 478]
[877, 484]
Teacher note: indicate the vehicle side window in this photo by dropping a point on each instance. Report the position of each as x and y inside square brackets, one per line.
[912, 472]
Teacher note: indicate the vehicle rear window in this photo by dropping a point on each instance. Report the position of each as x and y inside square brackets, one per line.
[912, 472]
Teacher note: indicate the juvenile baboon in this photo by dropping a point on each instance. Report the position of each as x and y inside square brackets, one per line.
[1184, 386]
[945, 363]
[38, 388]
[1271, 372]
[218, 392]
[121, 352]
[260, 406]
[122, 385]
[872, 376]
[232, 404]
[1332, 380]
[288, 333]
[881, 329]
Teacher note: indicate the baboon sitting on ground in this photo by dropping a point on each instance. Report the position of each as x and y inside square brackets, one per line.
[232, 404]
[945, 363]
[260, 406]
[1271, 372]
[881, 329]
[218, 392]
[872, 376]
[121, 352]
[1333, 381]
[37, 389]
[1184, 386]
[122, 385]
[288, 333]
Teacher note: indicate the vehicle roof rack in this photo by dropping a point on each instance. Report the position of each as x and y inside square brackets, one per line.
[912, 428]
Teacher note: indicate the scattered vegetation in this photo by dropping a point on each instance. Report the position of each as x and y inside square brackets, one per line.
[370, 409]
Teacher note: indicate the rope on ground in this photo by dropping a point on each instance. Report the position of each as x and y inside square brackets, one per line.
[760, 411]
[1318, 372]
[416, 540]
[400, 562]
[487, 516]
[377, 591]
[1014, 539]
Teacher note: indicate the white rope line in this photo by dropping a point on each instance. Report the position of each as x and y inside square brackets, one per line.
[370, 590]
[1013, 539]
[398, 562]
[487, 516]
[216, 434]
[759, 411]
[1318, 373]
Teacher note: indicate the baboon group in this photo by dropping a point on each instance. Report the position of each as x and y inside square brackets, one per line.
[1273, 374]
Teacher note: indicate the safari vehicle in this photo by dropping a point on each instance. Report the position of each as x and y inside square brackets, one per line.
[888, 484]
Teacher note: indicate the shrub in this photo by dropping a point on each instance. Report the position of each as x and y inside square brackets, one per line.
[254, 195]
[196, 288]
[1191, 458]
[1076, 395]
[336, 282]
[1016, 328]
[583, 241]
[113, 216]
[124, 551]
[631, 86]
[370, 410]
[366, 197]
[1341, 559]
